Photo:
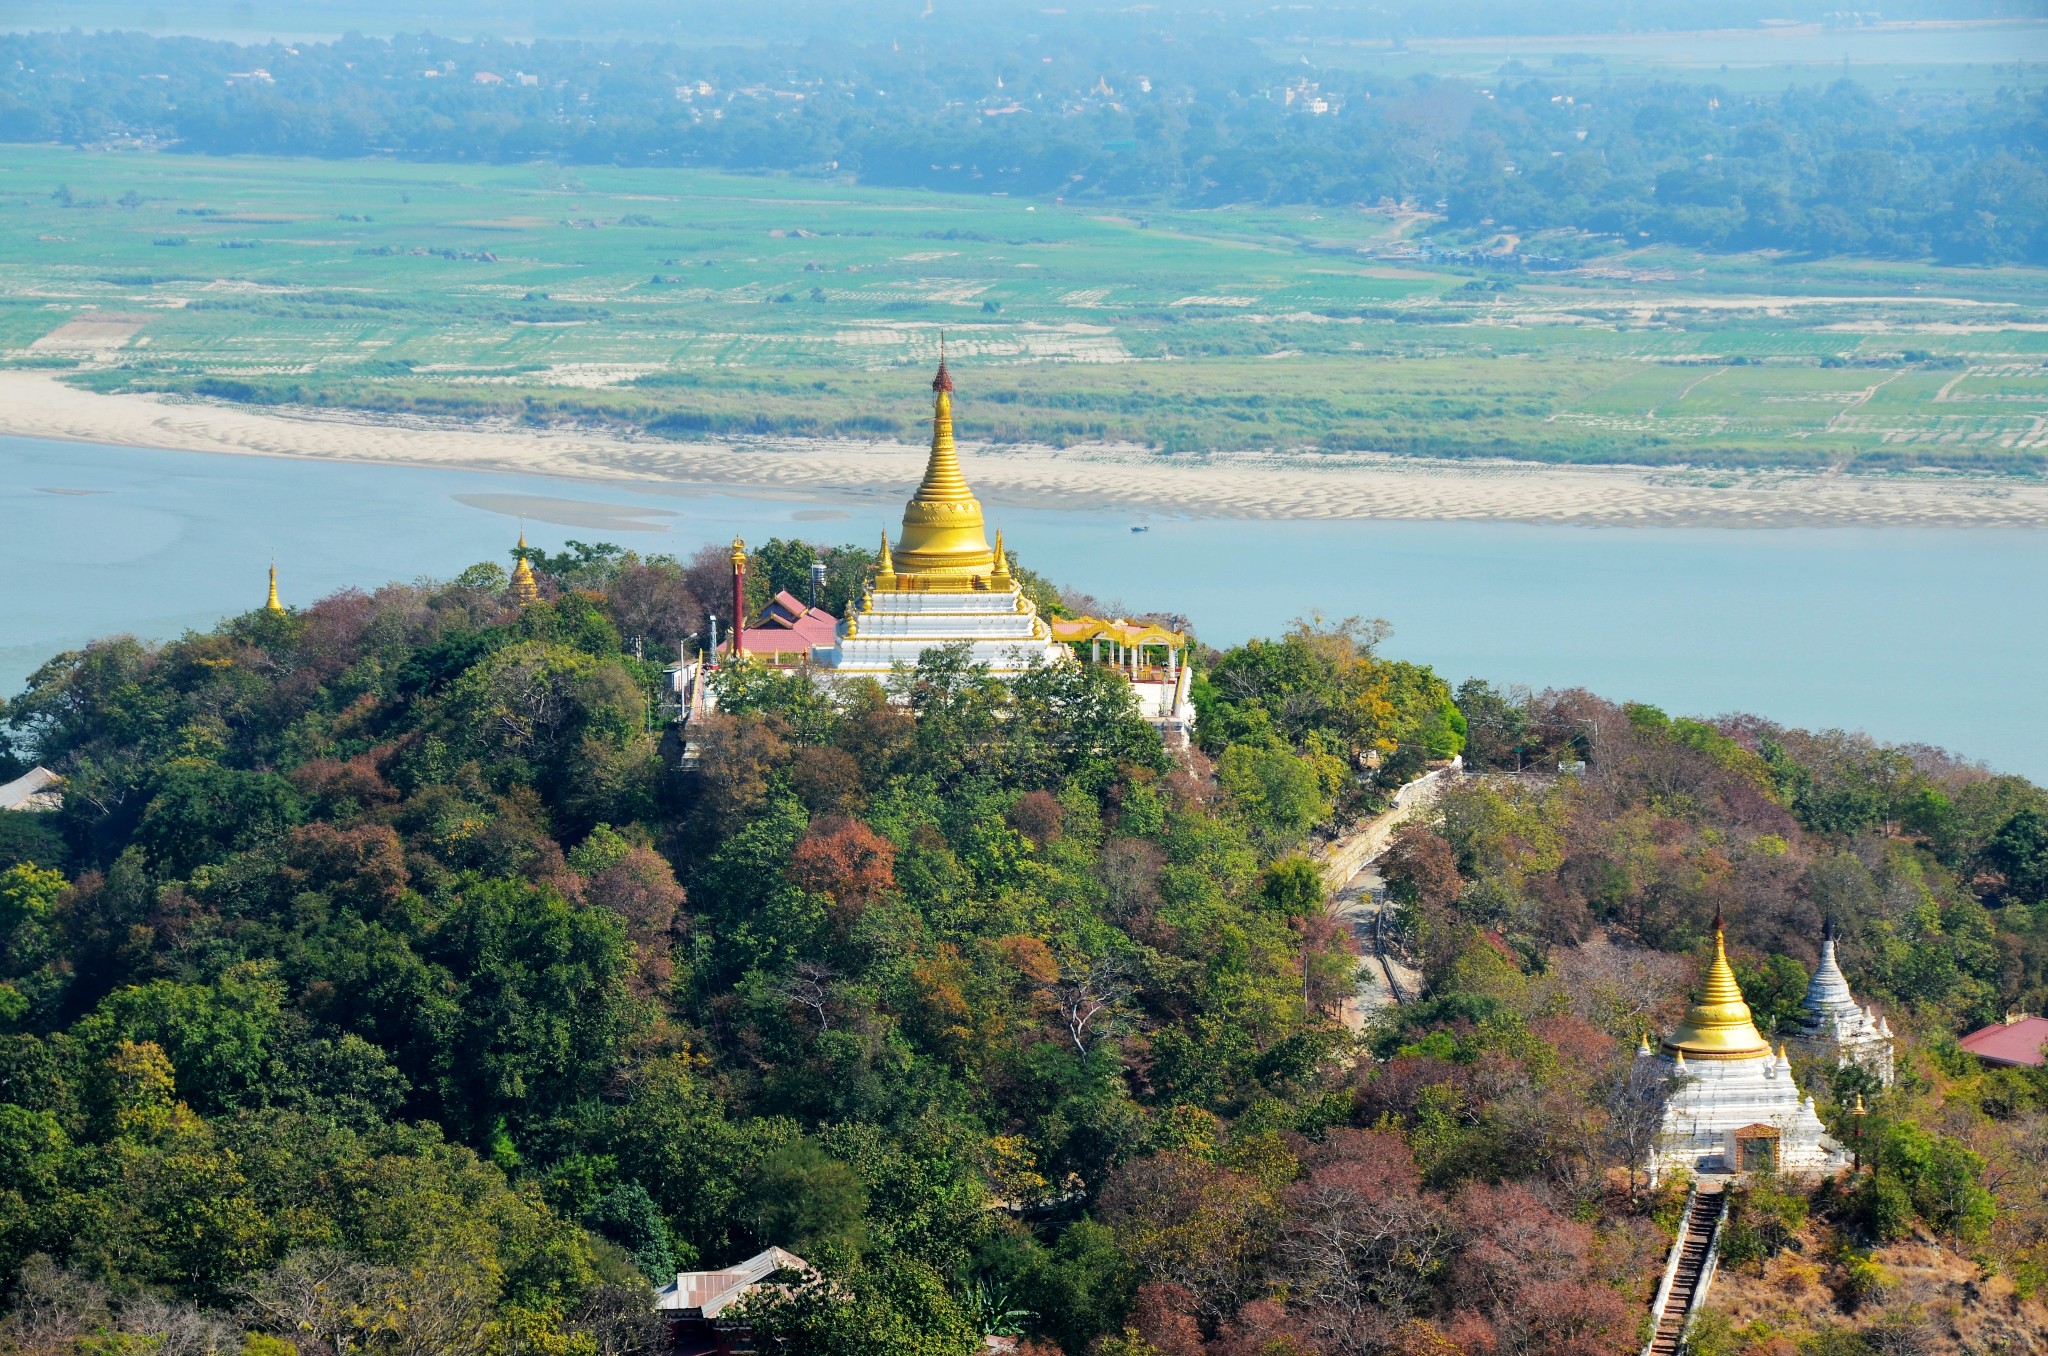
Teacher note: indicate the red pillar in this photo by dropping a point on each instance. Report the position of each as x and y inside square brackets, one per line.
[739, 595]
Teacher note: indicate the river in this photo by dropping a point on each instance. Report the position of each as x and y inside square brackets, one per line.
[1934, 635]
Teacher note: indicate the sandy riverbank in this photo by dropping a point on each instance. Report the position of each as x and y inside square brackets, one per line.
[35, 404]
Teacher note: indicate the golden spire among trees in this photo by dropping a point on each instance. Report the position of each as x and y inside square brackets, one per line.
[273, 605]
[525, 588]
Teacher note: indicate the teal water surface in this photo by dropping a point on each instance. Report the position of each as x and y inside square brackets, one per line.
[1932, 635]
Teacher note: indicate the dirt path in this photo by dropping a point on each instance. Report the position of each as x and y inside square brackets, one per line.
[1358, 898]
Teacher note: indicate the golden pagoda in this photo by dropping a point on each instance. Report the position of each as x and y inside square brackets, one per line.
[943, 533]
[942, 584]
[525, 588]
[273, 605]
[1734, 1105]
[1718, 1025]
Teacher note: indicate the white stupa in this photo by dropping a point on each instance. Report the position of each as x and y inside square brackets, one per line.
[1831, 1028]
[1735, 1106]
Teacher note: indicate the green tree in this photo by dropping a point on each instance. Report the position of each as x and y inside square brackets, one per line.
[787, 564]
[2019, 852]
[1280, 795]
[218, 1037]
[201, 812]
[804, 1199]
[544, 1008]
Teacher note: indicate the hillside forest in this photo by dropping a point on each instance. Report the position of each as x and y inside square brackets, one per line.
[381, 988]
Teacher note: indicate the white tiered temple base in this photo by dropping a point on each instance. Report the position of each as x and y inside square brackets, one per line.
[1001, 629]
[1727, 1102]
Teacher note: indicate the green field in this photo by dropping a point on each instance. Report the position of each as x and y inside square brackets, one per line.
[693, 304]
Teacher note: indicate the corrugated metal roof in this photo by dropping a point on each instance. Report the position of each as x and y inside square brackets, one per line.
[15, 794]
[2010, 1042]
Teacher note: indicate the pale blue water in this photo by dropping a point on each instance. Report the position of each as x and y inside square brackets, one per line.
[1931, 635]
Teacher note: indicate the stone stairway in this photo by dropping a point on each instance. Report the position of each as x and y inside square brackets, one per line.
[1692, 1246]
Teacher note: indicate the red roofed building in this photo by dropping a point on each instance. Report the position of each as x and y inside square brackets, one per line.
[787, 629]
[2016, 1040]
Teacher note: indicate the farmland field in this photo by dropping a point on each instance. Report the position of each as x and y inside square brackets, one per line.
[689, 304]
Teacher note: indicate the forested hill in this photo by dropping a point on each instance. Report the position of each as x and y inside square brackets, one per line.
[1180, 108]
[379, 987]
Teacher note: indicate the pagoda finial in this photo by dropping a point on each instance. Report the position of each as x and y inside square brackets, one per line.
[1000, 578]
[1719, 1025]
[885, 570]
[942, 523]
[273, 605]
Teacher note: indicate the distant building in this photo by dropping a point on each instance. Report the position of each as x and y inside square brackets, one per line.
[2015, 1041]
[1832, 1028]
[36, 790]
[695, 1303]
[788, 630]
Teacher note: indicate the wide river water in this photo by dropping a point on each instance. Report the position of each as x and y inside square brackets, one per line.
[1929, 635]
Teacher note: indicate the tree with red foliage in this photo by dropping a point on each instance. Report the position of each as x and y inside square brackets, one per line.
[360, 868]
[847, 862]
[1528, 1273]
[1036, 815]
[641, 888]
[1164, 1318]
[1364, 1245]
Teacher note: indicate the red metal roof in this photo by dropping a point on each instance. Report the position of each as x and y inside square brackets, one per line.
[789, 627]
[2010, 1042]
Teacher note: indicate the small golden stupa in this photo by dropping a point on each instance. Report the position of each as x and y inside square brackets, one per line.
[944, 537]
[525, 588]
[273, 605]
[1718, 1025]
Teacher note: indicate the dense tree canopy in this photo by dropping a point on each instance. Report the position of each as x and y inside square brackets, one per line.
[382, 986]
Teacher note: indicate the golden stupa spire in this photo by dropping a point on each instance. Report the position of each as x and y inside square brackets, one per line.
[1000, 579]
[525, 588]
[273, 605]
[885, 570]
[943, 482]
[943, 533]
[1718, 1025]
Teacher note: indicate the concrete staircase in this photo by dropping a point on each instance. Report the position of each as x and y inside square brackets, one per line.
[1689, 1278]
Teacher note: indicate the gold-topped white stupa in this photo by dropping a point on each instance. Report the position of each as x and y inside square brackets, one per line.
[1734, 1105]
[942, 583]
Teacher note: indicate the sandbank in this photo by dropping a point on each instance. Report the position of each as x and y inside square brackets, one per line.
[1240, 485]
